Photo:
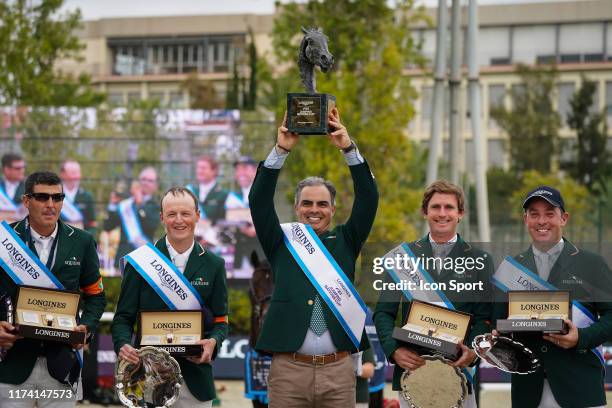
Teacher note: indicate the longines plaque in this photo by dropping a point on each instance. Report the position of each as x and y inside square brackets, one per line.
[175, 331]
[536, 311]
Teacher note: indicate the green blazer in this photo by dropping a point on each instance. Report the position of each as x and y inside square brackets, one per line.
[18, 193]
[206, 272]
[214, 204]
[576, 376]
[288, 317]
[475, 303]
[84, 201]
[76, 266]
[148, 215]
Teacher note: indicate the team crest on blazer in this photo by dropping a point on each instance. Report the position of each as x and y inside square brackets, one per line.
[72, 261]
[199, 282]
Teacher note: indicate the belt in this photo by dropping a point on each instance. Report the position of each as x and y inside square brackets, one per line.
[319, 359]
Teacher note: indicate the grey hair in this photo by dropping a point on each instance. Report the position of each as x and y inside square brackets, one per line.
[314, 181]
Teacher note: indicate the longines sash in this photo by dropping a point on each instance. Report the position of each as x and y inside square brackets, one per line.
[202, 212]
[233, 201]
[131, 223]
[326, 276]
[511, 275]
[6, 204]
[415, 273]
[20, 262]
[71, 213]
[165, 278]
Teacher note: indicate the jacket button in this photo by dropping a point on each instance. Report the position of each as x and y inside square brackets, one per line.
[310, 302]
[544, 349]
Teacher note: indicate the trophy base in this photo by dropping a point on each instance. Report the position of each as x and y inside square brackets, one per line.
[51, 334]
[532, 325]
[424, 344]
[182, 350]
[307, 113]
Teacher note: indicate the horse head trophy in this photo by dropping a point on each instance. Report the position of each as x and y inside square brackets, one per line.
[307, 111]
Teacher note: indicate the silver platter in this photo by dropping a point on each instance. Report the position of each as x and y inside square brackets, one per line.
[435, 385]
[506, 354]
[154, 382]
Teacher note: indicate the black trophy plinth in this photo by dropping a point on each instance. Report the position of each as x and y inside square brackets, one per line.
[532, 325]
[429, 345]
[307, 113]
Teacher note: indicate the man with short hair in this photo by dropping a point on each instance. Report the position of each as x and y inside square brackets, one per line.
[13, 174]
[311, 366]
[79, 208]
[137, 215]
[441, 250]
[209, 193]
[68, 257]
[203, 272]
[571, 372]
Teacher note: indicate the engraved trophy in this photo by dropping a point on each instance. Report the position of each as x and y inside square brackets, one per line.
[307, 112]
[436, 333]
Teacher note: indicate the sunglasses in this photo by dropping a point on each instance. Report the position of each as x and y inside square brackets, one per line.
[44, 197]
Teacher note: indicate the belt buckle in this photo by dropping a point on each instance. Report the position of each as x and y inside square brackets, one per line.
[318, 357]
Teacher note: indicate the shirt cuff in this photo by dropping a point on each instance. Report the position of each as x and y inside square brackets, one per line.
[275, 160]
[353, 157]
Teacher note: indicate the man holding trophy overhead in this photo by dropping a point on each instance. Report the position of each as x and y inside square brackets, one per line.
[310, 326]
[175, 275]
[42, 251]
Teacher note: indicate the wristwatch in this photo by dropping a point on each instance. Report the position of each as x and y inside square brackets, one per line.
[351, 147]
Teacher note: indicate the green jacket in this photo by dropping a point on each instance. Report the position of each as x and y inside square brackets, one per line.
[76, 266]
[18, 193]
[148, 215]
[214, 204]
[288, 317]
[206, 272]
[576, 376]
[388, 305]
[84, 201]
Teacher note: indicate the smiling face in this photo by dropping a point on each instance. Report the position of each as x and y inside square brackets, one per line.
[544, 222]
[179, 215]
[315, 208]
[43, 215]
[205, 171]
[443, 215]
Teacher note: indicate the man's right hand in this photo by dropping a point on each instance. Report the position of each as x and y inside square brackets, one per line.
[7, 336]
[129, 354]
[285, 139]
[408, 359]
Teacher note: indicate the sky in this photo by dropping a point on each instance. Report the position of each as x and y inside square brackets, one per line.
[95, 9]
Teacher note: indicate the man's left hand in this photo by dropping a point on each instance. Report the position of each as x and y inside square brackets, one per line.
[339, 137]
[467, 357]
[566, 341]
[80, 328]
[208, 348]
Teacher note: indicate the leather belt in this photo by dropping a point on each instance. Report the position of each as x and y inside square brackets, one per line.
[318, 359]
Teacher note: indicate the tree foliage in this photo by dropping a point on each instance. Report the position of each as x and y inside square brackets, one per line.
[34, 37]
[532, 124]
[592, 165]
[202, 93]
[371, 44]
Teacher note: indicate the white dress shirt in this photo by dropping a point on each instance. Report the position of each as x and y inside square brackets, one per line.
[43, 244]
[179, 259]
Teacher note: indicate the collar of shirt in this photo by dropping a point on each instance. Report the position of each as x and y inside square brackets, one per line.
[205, 188]
[71, 194]
[450, 241]
[10, 187]
[245, 193]
[44, 241]
[555, 250]
[179, 260]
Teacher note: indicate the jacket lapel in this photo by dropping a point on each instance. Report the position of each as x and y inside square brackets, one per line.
[65, 242]
[422, 249]
[458, 250]
[527, 259]
[564, 262]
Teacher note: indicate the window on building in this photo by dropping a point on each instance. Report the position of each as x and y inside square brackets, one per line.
[497, 92]
[115, 99]
[578, 40]
[176, 100]
[494, 46]
[133, 97]
[158, 96]
[529, 42]
[565, 94]
[608, 106]
[609, 41]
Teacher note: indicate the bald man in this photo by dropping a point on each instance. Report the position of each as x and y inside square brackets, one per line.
[79, 207]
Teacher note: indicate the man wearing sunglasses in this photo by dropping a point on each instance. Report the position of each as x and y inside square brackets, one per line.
[70, 260]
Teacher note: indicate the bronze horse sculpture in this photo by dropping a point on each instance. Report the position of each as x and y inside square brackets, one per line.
[313, 51]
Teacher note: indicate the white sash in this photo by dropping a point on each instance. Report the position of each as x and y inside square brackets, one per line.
[71, 213]
[6, 204]
[233, 201]
[511, 275]
[202, 212]
[20, 262]
[131, 223]
[165, 278]
[328, 279]
[415, 273]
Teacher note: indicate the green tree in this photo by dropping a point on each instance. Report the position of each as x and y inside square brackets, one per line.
[372, 44]
[202, 93]
[34, 37]
[232, 97]
[591, 166]
[532, 124]
[251, 95]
